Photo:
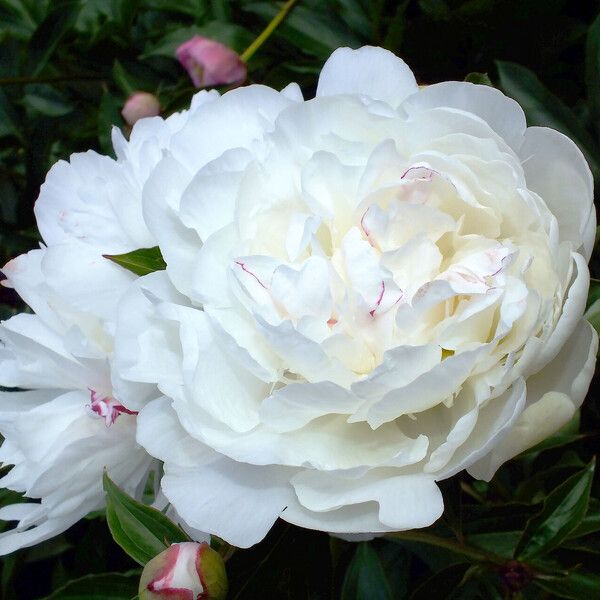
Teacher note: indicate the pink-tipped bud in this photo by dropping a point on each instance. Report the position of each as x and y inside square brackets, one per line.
[186, 571]
[210, 63]
[140, 105]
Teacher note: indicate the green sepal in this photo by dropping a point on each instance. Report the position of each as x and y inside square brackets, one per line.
[141, 262]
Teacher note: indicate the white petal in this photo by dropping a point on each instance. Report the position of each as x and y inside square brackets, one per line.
[351, 519]
[405, 501]
[15, 539]
[161, 434]
[427, 390]
[235, 120]
[302, 355]
[91, 200]
[400, 366]
[553, 396]
[237, 502]
[368, 71]
[502, 113]
[293, 92]
[147, 349]
[556, 169]
[24, 274]
[295, 405]
[570, 372]
[208, 202]
[305, 291]
[573, 308]
[494, 422]
[84, 279]
[35, 356]
[457, 436]
[161, 199]
[217, 384]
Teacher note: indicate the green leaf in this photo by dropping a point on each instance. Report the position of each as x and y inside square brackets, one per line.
[16, 19]
[231, 35]
[142, 531]
[193, 8]
[593, 314]
[594, 292]
[46, 39]
[542, 107]
[108, 115]
[396, 28]
[221, 10]
[365, 578]
[436, 9]
[46, 100]
[479, 78]
[106, 586]
[313, 32]
[356, 17]
[562, 512]
[502, 543]
[577, 585]
[591, 521]
[122, 79]
[140, 262]
[8, 118]
[447, 579]
[592, 69]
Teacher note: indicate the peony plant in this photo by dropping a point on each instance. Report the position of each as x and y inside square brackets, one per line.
[308, 310]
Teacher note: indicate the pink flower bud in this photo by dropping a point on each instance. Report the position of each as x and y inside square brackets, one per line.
[185, 571]
[210, 63]
[140, 105]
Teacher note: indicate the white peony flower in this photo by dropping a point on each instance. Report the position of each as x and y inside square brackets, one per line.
[69, 426]
[366, 293]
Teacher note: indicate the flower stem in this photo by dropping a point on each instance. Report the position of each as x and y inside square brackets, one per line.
[62, 78]
[268, 30]
[448, 544]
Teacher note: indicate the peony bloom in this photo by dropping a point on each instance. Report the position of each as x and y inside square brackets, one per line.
[210, 63]
[69, 426]
[366, 293]
[184, 571]
[139, 106]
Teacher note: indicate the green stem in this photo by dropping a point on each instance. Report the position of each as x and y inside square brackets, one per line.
[448, 544]
[467, 489]
[227, 551]
[268, 30]
[26, 80]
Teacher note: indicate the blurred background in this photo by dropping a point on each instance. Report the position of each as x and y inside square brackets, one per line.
[67, 68]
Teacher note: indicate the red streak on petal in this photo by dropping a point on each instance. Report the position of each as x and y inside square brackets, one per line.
[362, 222]
[428, 177]
[246, 270]
[372, 312]
[331, 322]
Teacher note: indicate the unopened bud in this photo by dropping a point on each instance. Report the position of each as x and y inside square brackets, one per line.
[185, 571]
[210, 63]
[140, 105]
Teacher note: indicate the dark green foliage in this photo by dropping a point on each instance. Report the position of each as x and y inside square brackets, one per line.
[67, 67]
[142, 531]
